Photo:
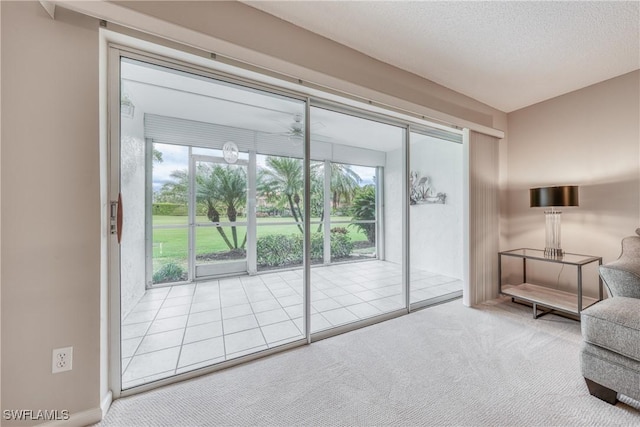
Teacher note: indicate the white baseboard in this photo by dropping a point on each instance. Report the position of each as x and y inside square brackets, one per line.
[78, 419]
[106, 403]
[84, 418]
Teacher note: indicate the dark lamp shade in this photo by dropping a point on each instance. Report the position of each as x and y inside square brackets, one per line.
[546, 197]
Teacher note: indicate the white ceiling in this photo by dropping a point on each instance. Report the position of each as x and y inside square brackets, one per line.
[162, 91]
[505, 54]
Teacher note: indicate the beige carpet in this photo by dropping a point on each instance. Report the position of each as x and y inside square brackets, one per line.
[445, 365]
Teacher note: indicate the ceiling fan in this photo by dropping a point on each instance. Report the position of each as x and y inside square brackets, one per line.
[295, 130]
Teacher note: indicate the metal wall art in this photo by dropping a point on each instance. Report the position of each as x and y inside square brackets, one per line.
[422, 192]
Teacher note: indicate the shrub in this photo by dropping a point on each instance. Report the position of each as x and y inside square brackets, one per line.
[170, 272]
[279, 249]
[175, 209]
[317, 246]
[364, 208]
[341, 245]
[340, 230]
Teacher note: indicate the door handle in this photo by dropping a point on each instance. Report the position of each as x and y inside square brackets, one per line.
[116, 215]
[119, 219]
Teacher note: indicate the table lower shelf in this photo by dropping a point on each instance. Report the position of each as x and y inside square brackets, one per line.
[548, 297]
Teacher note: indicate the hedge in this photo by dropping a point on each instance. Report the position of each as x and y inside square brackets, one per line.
[175, 209]
[280, 249]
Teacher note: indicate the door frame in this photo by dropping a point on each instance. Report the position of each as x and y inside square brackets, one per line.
[113, 191]
[225, 268]
[114, 54]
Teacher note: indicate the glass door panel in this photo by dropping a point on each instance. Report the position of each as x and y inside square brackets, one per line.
[354, 216]
[280, 212]
[169, 241]
[360, 164]
[435, 216]
[219, 210]
[279, 215]
[320, 211]
[210, 174]
[170, 255]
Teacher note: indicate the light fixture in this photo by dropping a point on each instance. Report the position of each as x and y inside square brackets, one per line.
[126, 106]
[230, 152]
[553, 198]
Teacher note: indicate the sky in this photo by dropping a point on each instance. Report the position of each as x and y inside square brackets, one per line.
[176, 157]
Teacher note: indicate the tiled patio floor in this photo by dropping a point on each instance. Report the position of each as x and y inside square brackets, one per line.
[177, 329]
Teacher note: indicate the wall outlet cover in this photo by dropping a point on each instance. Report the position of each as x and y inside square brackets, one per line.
[62, 360]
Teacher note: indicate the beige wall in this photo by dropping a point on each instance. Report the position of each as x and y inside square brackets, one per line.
[50, 173]
[51, 238]
[50, 208]
[50, 213]
[253, 29]
[589, 138]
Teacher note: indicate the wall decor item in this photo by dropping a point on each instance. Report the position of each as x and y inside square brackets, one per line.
[422, 192]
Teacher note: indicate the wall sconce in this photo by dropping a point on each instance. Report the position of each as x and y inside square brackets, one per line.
[553, 198]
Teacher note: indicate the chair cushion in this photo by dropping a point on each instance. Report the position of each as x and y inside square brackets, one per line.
[614, 324]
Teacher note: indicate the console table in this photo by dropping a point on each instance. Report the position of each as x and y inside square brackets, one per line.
[552, 299]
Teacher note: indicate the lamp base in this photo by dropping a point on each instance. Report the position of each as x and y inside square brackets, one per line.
[552, 231]
[553, 253]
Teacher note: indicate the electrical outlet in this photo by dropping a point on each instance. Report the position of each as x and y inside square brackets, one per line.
[62, 360]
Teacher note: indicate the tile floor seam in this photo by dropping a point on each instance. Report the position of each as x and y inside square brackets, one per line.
[184, 332]
[256, 318]
[385, 292]
[224, 341]
[140, 343]
[143, 337]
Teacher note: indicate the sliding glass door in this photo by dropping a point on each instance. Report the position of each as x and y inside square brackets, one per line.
[435, 215]
[254, 219]
[218, 216]
[212, 192]
[357, 237]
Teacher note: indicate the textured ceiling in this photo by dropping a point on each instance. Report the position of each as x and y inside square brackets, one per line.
[505, 54]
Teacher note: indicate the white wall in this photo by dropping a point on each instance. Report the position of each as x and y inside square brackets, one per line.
[132, 182]
[50, 208]
[393, 177]
[436, 229]
[262, 38]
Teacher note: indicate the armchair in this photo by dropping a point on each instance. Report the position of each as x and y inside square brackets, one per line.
[610, 354]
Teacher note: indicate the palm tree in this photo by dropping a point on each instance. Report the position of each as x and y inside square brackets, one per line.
[176, 191]
[223, 187]
[344, 182]
[283, 179]
[156, 155]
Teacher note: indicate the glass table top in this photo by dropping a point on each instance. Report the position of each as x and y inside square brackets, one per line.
[566, 258]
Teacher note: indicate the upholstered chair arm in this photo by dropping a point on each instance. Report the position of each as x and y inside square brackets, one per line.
[622, 276]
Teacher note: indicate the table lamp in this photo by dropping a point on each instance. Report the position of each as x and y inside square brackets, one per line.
[553, 198]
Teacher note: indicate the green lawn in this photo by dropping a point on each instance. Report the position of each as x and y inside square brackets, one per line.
[172, 243]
